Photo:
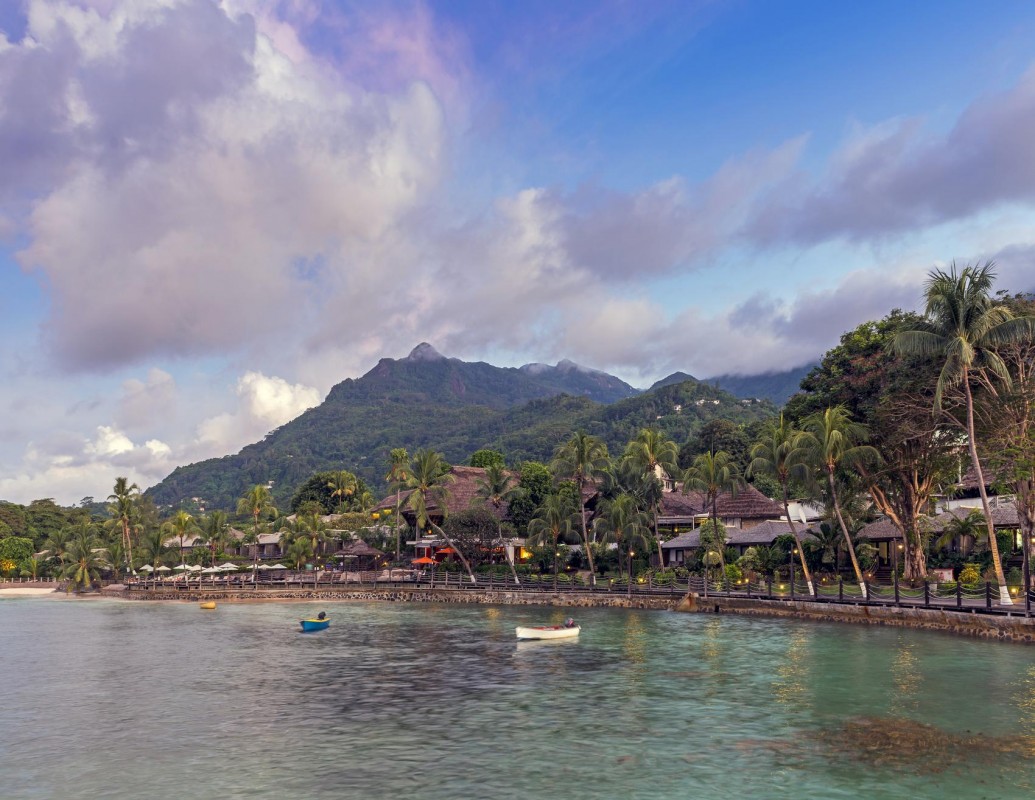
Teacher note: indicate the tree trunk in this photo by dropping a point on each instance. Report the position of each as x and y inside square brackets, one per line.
[128, 537]
[915, 557]
[455, 549]
[657, 539]
[721, 539]
[1025, 488]
[585, 537]
[506, 550]
[993, 545]
[398, 544]
[844, 530]
[797, 541]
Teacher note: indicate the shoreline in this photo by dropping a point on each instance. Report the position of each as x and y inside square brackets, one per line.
[1017, 628]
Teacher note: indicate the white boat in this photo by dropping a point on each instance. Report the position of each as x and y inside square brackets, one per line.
[569, 630]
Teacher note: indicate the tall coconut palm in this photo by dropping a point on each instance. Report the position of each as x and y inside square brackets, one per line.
[427, 480]
[212, 533]
[343, 484]
[963, 325]
[182, 526]
[84, 558]
[650, 452]
[621, 521]
[398, 471]
[154, 548]
[712, 474]
[315, 531]
[257, 502]
[581, 459]
[57, 544]
[123, 507]
[831, 440]
[495, 488]
[552, 524]
[778, 455]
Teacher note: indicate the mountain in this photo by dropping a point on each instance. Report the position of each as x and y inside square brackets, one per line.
[574, 379]
[774, 386]
[675, 377]
[456, 407]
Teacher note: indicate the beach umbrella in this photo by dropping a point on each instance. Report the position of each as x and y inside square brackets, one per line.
[278, 566]
[163, 568]
[211, 571]
[195, 568]
[422, 560]
[147, 568]
[181, 567]
[228, 565]
[263, 567]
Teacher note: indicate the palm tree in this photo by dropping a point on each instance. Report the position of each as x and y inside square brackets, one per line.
[298, 553]
[495, 488]
[828, 543]
[123, 506]
[621, 521]
[648, 453]
[181, 526]
[213, 533]
[314, 530]
[154, 549]
[57, 545]
[712, 474]
[581, 459]
[257, 502]
[830, 440]
[963, 325]
[84, 560]
[778, 455]
[342, 484]
[427, 479]
[959, 527]
[398, 471]
[552, 524]
[713, 544]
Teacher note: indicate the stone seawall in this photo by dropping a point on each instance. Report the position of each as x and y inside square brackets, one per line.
[1012, 628]
[985, 626]
[496, 597]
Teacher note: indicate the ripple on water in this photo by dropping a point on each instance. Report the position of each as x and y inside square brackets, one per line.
[438, 701]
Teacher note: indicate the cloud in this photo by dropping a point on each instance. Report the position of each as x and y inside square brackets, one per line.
[144, 402]
[264, 403]
[231, 175]
[897, 177]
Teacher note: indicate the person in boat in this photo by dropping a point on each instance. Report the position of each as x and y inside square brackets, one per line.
[569, 623]
[322, 615]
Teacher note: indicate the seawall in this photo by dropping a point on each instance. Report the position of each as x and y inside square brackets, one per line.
[1013, 628]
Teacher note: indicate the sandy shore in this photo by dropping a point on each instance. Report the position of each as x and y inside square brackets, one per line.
[28, 591]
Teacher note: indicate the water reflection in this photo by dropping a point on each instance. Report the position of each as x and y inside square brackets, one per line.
[906, 674]
[436, 702]
[790, 687]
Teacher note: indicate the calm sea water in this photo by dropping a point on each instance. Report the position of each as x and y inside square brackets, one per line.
[126, 700]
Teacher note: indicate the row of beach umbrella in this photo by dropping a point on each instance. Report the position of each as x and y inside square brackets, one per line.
[227, 567]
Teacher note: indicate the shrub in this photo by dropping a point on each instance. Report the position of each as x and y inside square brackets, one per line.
[970, 575]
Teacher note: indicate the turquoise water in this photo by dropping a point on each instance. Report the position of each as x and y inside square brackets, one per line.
[125, 700]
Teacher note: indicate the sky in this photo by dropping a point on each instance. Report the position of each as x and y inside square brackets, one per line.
[212, 211]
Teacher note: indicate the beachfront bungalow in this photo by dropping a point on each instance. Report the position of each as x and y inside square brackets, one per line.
[677, 551]
[461, 494]
[744, 510]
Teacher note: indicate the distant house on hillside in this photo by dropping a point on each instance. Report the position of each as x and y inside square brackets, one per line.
[460, 494]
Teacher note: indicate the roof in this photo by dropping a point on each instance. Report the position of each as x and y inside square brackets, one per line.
[881, 530]
[765, 533]
[358, 548]
[1003, 516]
[746, 503]
[460, 494]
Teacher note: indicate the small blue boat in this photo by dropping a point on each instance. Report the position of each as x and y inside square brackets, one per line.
[314, 624]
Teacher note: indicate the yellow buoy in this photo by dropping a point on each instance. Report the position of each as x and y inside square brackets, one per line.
[209, 605]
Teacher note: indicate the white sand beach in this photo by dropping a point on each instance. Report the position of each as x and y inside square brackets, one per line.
[26, 591]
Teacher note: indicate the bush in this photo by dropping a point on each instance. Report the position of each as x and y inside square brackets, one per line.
[970, 575]
[734, 574]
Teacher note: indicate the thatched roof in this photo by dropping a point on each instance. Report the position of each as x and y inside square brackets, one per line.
[747, 503]
[360, 549]
[764, 533]
[1004, 515]
[461, 493]
[881, 530]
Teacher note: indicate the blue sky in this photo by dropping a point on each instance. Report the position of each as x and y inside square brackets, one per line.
[211, 211]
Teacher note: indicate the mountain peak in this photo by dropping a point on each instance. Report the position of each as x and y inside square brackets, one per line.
[424, 352]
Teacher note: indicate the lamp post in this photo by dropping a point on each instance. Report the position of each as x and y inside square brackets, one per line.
[790, 569]
[630, 586]
[1027, 575]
